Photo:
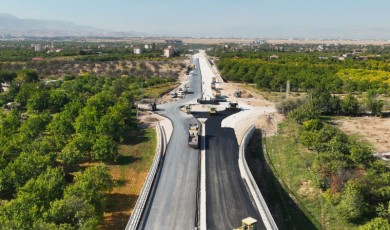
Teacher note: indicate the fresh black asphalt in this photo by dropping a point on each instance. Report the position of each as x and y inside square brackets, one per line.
[228, 200]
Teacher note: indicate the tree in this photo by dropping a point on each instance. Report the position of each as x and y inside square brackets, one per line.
[350, 105]
[361, 154]
[74, 212]
[26, 76]
[39, 101]
[105, 149]
[376, 224]
[374, 105]
[353, 205]
[58, 99]
[91, 186]
[31, 200]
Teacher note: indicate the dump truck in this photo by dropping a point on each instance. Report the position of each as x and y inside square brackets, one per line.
[233, 106]
[193, 136]
[248, 223]
[213, 111]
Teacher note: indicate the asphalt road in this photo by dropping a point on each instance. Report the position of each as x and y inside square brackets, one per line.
[228, 199]
[172, 204]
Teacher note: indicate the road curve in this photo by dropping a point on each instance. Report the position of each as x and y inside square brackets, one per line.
[172, 203]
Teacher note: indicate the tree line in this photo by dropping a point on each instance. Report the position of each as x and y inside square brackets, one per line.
[50, 141]
[304, 72]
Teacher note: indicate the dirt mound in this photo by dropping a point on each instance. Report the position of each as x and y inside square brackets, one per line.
[245, 94]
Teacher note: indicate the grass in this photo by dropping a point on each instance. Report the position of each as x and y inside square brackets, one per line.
[291, 165]
[158, 90]
[281, 203]
[129, 174]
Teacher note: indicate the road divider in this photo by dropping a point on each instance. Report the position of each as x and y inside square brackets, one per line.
[138, 210]
[202, 210]
[246, 175]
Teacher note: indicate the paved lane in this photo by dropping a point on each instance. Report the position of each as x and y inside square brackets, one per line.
[173, 201]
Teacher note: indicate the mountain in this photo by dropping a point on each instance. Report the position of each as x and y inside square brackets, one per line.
[10, 24]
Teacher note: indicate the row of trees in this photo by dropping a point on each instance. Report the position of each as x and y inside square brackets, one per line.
[45, 140]
[303, 75]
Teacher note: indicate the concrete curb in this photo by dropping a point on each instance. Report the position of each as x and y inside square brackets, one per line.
[203, 213]
[246, 175]
[135, 217]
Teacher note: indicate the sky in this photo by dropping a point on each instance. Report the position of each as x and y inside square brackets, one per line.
[354, 19]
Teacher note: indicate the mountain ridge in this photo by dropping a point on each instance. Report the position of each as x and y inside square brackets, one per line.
[10, 24]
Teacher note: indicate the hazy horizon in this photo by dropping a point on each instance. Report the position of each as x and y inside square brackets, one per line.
[347, 19]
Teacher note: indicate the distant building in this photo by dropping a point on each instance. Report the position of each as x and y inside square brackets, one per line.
[38, 47]
[347, 55]
[168, 52]
[137, 50]
[273, 56]
[146, 46]
[174, 42]
[323, 58]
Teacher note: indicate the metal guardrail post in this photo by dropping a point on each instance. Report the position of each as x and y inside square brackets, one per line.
[138, 210]
[246, 174]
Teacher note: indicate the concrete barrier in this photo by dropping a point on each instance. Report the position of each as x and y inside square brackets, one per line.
[138, 210]
[246, 174]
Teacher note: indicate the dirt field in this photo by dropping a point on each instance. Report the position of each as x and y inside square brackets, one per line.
[375, 130]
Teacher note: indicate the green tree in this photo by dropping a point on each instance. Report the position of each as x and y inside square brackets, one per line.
[376, 224]
[26, 76]
[353, 204]
[350, 105]
[91, 186]
[39, 101]
[74, 212]
[105, 149]
[373, 104]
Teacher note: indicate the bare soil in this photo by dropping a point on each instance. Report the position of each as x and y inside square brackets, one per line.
[374, 130]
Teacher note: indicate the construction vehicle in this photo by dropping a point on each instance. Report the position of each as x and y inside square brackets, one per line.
[248, 223]
[217, 93]
[180, 93]
[213, 111]
[193, 136]
[153, 106]
[237, 93]
[173, 94]
[233, 106]
[187, 109]
[212, 85]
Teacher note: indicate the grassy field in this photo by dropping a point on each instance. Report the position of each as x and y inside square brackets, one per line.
[291, 165]
[156, 91]
[129, 175]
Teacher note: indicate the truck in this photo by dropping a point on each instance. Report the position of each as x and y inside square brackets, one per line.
[213, 111]
[233, 106]
[248, 223]
[193, 136]
[173, 94]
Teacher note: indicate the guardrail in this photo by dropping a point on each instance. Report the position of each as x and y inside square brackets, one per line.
[246, 174]
[135, 217]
